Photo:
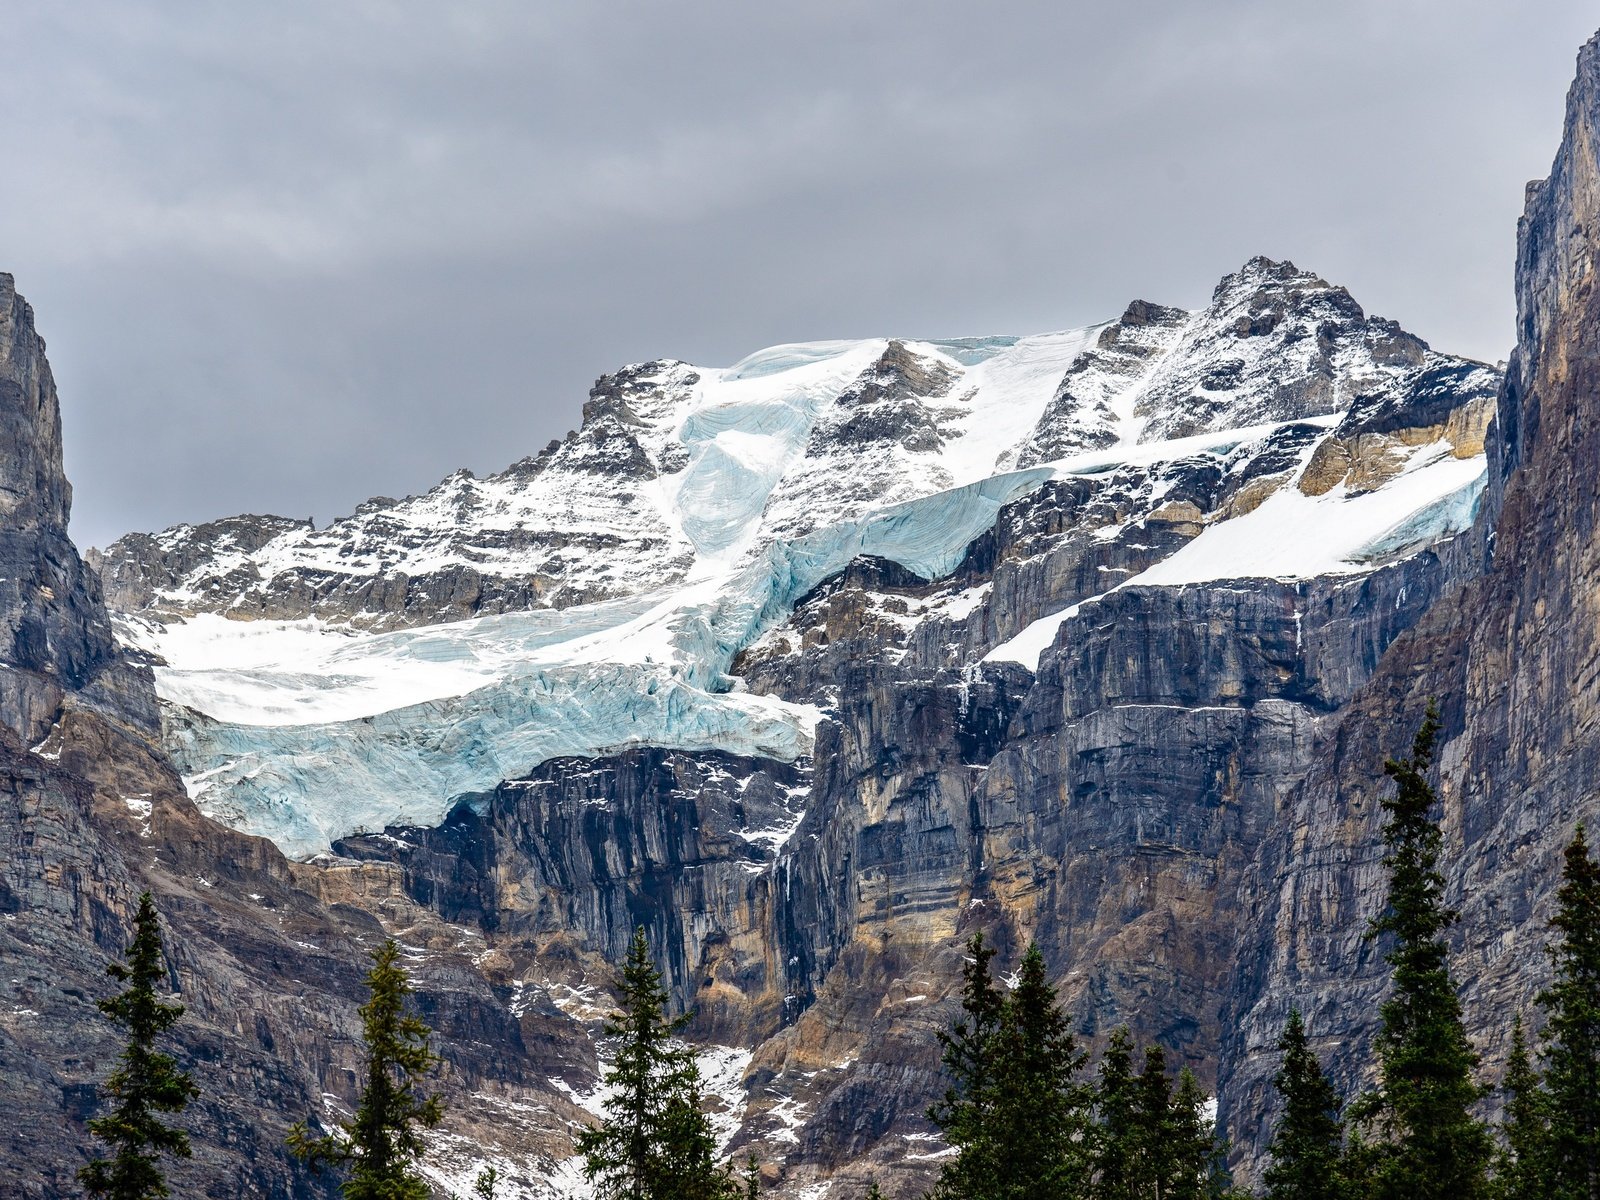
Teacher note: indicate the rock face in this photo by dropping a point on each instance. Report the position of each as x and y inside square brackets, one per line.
[267, 956]
[584, 851]
[55, 639]
[1275, 344]
[1508, 653]
[539, 534]
[268, 959]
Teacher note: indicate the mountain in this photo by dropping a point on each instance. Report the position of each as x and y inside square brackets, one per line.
[266, 956]
[812, 666]
[1508, 651]
[857, 656]
[393, 663]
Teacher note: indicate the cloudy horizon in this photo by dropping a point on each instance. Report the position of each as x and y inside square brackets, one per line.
[289, 258]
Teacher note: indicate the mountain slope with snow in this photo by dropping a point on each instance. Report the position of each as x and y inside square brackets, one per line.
[597, 596]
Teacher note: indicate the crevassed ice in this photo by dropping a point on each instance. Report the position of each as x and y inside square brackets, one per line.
[508, 696]
[776, 359]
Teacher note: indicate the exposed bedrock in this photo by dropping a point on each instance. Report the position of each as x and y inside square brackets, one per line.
[539, 534]
[266, 956]
[584, 851]
[1108, 804]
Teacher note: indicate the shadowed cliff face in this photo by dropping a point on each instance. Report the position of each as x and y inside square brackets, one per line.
[585, 851]
[88, 818]
[1511, 655]
[267, 957]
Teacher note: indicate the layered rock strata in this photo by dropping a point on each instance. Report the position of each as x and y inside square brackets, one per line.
[1509, 653]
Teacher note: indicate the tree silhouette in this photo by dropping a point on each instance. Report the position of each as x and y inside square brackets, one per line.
[380, 1144]
[146, 1082]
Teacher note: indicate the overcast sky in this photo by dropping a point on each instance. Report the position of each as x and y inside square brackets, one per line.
[291, 255]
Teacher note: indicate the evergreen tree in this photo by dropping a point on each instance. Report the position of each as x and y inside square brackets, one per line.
[1437, 1149]
[483, 1186]
[688, 1148]
[1152, 1142]
[1202, 1171]
[966, 1114]
[1522, 1167]
[1305, 1147]
[1572, 1029]
[1155, 1154]
[1358, 1166]
[874, 1192]
[146, 1082]
[379, 1146]
[655, 1142]
[1116, 1139]
[1041, 1114]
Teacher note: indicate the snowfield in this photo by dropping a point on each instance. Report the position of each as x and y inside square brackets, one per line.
[722, 497]
[1295, 536]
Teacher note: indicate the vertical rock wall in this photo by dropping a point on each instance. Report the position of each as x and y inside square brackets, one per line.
[1512, 656]
[55, 638]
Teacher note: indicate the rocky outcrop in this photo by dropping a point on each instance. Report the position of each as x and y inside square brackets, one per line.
[140, 567]
[875, 443]
[889, 403]
[583, 852]
[1275, 344]
[55, 639]
[268, 960]
[1083, 414]
[1373, 442]
[569, 526]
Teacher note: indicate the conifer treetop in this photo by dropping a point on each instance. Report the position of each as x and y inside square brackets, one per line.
[1306, 1145]
[1428, 1143]
[1572, 1028]
[655, 1141]
[380, 1145]
[146, 1082]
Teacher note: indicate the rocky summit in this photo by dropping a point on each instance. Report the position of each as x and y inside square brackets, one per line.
[812, 666]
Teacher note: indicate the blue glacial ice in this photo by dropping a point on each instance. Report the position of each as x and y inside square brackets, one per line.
[653, 677]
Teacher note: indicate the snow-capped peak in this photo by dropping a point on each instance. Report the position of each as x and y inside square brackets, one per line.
[596, 594]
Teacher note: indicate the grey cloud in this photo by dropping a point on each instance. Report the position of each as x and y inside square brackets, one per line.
[290, 256]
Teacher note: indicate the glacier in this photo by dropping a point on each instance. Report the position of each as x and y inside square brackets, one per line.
[718, 498]
[512, 690]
